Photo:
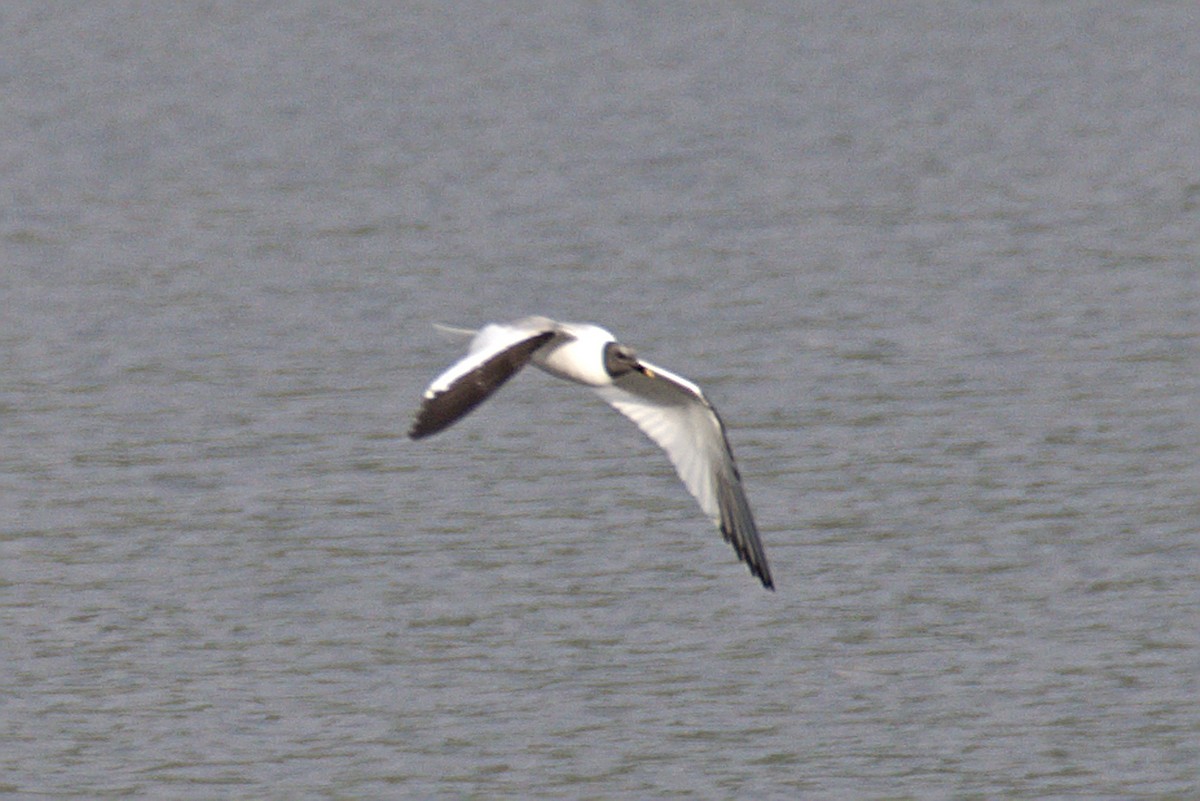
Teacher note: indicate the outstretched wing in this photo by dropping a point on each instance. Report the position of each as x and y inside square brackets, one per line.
[674, 413]
[496, 354]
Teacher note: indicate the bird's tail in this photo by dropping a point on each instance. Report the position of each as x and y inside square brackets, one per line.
[454, 333]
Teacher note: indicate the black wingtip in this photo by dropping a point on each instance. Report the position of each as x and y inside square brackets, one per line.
[755, 559]
[763, 575]
[418, 431]
[738, 528]
[426, 425]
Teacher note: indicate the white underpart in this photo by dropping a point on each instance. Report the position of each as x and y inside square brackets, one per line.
[577, 354]
[682, 423]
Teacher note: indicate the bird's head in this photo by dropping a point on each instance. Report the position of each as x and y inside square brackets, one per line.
[620, 359]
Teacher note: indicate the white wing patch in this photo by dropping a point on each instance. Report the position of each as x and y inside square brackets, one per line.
[686, 428]
[491, 341]
[674, 413]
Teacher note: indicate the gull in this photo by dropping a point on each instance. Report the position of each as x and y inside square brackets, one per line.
[668, 408]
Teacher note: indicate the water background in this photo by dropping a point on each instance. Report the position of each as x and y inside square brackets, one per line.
[936, 263]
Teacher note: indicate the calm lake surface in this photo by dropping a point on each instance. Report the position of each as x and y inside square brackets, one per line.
[936, 264]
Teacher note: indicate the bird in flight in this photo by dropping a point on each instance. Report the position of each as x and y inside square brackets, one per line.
[668, 408]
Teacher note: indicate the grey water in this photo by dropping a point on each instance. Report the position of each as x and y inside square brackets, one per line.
[935, 263]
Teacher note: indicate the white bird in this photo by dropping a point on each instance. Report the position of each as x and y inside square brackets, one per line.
[668, 408]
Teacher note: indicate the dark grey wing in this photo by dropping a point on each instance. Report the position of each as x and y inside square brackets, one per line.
[674, 413]
[498, 354]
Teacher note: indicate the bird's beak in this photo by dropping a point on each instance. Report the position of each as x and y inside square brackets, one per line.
[646, 371]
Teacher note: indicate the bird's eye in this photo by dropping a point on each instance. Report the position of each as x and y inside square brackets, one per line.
[618, 359]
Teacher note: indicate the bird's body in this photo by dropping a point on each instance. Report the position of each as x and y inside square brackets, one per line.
[576, 354]
[668, 408]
